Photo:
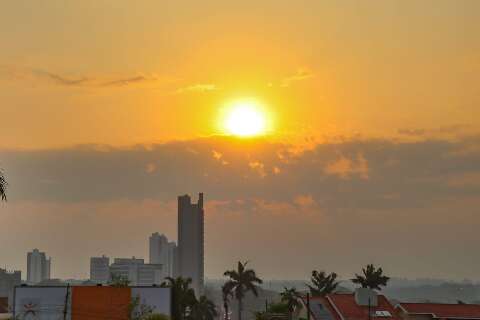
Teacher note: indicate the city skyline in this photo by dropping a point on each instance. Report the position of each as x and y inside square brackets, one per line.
[326, 134]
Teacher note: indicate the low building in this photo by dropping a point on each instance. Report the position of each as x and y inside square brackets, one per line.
[100, 269]
[137, 271]
[441, 311]
[364, 304]
[8, 281]
[88, 302]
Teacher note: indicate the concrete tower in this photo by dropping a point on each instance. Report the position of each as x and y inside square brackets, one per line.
[190, 241]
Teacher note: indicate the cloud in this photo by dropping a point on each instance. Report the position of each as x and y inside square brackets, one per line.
[394, 200]
[218, 156]
[442, 131]
[201, 87]
[412, 132]
[369, 171]
[128, 81]
[40, 75]
[258, 167]
[344, 167]
[299, 75]
[61, 80]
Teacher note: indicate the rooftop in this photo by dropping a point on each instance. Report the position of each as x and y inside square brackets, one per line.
[443, 310]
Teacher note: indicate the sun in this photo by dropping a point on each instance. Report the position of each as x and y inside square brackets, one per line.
[245, 119]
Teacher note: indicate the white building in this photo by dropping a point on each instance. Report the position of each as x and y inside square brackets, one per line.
[100, 269]
[190, 241]
[163, 252]
[137, 272]
[38, 266]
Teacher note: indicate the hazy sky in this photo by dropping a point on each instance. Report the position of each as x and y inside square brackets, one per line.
[110, 109]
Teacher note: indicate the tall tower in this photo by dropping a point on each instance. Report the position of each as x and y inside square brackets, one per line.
[190, 241]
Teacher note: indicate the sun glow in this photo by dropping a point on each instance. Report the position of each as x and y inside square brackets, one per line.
[245, 119]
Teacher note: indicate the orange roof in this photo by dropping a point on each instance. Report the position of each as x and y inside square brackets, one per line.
[342, 306]
[348, 309]
[444, 310]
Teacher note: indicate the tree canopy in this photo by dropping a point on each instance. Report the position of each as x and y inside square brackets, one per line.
[371, 277]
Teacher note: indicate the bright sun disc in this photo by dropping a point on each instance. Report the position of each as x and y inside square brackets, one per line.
[245, 119]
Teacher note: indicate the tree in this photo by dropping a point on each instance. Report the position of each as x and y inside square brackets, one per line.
[183, 296]
[157, 316]
[372, 278]
[240, 282]
[276, 310]
[226, 295]
[322, 283]
[3, 187]
[203, 309]
[118, 281]
[137, 310]
[291, 297]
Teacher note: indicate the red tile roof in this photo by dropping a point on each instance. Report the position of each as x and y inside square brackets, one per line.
[440, 310]
[342, 306]
[348, 309]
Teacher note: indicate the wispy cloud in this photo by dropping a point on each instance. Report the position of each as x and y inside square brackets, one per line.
[61, 80]
[299, 75]
[200, 87]
[55, 78]
[128, 81]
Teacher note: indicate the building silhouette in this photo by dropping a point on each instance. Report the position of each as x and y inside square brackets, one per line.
[100, 269]
[38, 267]
[8, 281]
[190, 241]
[163, 252]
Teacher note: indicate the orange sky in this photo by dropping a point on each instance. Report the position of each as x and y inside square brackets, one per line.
[116, 73]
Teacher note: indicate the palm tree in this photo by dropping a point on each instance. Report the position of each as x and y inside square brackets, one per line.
[291, 297]
[241, 281]
[203, 309]
[183, 296]
[372, 278]
[322, 283]
[226, 295]
[3, 187]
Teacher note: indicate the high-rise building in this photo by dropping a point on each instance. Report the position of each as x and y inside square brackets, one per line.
[99, 269]
[163, 252]
[137, 272]
[190, 240]
[38, 266]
